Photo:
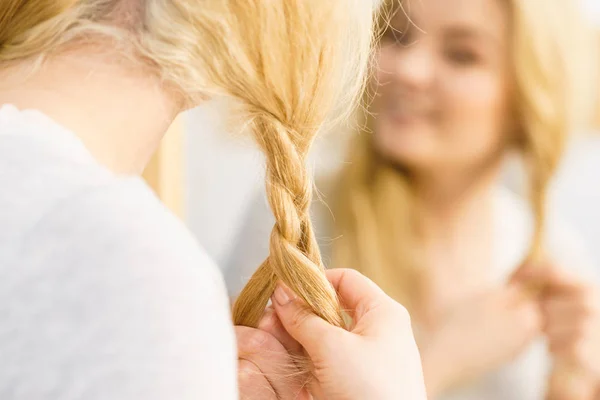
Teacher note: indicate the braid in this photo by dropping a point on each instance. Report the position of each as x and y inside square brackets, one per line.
[297, 70]
[294, 255]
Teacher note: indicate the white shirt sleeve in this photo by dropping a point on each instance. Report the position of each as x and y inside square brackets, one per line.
[111, 298]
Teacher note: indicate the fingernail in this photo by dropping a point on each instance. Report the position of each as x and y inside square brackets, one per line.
[283, 294]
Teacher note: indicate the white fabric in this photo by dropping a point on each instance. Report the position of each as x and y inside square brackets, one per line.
[526, 376]
[522, 379]
[103, 293]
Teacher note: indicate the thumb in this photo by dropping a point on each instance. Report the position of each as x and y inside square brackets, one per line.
[304, 326]
[526, 272]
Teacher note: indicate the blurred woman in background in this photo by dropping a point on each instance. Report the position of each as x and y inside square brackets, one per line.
[461, 85]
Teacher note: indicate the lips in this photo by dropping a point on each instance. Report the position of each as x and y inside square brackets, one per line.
[404, 109]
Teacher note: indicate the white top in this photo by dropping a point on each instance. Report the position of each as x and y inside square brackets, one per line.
[104, 294]
[525, 377]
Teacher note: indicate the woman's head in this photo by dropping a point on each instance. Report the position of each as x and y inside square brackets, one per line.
[444, 85]
[459, 83]
[286, 66]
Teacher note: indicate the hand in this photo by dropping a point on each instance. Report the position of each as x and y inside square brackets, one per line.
[266, 370]
[376, 359]
[571, 309]
[478, 336]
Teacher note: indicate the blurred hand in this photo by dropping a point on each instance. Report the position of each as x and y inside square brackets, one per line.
[266, 370]
[478, 336]
[571, 310]
[377, 359]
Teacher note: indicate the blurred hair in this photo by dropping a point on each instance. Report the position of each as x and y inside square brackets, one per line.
[374, 205]
[287, 66]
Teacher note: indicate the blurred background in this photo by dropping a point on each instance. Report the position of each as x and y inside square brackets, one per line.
[222, 173]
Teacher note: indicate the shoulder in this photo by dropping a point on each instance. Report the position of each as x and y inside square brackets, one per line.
[122, 227]
[121, 213]
[126, 284]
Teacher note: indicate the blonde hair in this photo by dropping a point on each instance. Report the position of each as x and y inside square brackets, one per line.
[375, 206]
[287, 65]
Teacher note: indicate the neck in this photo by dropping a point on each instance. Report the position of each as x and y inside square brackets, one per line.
[453, 205]
[119, 111]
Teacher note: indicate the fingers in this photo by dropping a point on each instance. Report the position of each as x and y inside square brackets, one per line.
[567, 322]
[547, 276]
[271, 324]
[562, 333]
[530, 317]
[572, 326]
[515, 294]
[271, 359]
[569, 313]
[374, 312]
[358, 294]
[253, 385]
[302, 325]
[568, 382]
[568, 310]
[563, 345]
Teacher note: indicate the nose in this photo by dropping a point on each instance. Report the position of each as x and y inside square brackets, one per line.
[413, 66]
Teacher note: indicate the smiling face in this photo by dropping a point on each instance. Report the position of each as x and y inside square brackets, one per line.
[444, 85]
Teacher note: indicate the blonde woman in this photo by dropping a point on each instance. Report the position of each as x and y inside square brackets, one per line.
[105, 295]
[461, 85]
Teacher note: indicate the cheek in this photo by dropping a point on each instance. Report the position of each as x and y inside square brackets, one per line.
[475, 113]
[385, 58]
